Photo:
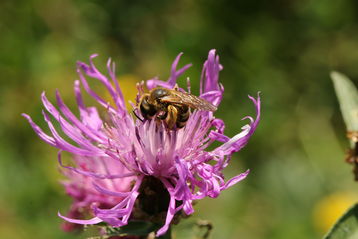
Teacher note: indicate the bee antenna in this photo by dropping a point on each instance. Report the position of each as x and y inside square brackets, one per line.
[137, 116]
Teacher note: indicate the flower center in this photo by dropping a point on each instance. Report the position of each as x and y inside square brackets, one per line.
[152, 202]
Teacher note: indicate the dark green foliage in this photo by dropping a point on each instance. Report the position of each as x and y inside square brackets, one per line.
[285, 49]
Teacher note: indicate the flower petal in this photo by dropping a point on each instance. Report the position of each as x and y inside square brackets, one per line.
[92, 221]
[240, 140]
[174, 75]
[210, 89]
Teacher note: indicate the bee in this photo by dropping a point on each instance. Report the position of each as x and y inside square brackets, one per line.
[171, 106]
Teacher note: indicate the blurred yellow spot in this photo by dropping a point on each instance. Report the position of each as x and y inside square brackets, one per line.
[127, 84]
[329, 209]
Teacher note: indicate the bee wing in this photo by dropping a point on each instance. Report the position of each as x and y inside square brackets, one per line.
[194, 102]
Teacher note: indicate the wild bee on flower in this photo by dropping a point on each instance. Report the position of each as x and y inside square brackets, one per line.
[171, 105]
[123, 166]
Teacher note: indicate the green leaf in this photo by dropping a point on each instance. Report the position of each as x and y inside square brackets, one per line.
[346, 227]
[348, 99]
[133, 228]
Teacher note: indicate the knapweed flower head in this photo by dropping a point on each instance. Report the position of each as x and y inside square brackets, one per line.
[124, 160]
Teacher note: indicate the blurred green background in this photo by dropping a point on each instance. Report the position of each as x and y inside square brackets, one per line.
[283, 48]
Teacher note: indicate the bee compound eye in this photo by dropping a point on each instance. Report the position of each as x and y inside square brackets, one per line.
[148, 110]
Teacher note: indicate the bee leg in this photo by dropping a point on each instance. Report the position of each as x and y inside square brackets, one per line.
[171, 117]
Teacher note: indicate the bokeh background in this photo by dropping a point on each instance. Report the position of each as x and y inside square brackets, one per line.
[283, 48]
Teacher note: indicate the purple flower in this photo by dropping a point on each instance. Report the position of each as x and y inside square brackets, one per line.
[116, 158]
[82, 187]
